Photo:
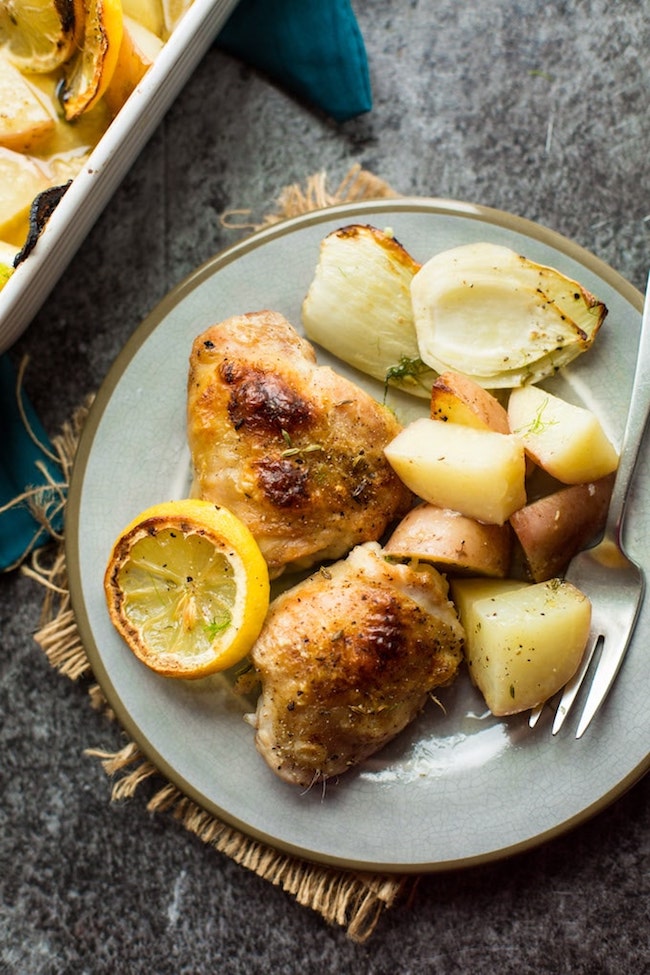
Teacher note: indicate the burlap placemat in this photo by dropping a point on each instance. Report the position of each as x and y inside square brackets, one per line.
[353, 900]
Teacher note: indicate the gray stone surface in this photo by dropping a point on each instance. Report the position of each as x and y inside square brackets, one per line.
[538, 108]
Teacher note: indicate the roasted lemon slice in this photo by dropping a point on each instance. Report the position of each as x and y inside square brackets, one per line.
[187, 587]
[40, 35]
[89, 73]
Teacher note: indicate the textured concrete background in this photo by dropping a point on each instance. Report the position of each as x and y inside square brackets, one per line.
[538, 108]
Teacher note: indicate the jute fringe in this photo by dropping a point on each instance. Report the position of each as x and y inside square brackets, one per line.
[353, 900]
[296, 199]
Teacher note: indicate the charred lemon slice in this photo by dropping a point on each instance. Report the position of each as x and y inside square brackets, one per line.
[187, 587]
[88, 74]
[40, 35]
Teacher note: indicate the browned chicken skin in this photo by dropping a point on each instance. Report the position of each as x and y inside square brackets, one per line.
[293, 449]
[347, 659]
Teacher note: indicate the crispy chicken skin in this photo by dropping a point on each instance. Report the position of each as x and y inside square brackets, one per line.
[293, 449]
[347, 659]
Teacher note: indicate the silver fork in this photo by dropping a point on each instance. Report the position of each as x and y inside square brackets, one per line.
[612, 581]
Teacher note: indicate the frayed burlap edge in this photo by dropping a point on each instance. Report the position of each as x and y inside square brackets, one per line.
[294, 200]
[353, 900]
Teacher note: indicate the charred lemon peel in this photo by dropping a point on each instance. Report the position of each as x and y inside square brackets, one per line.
[89, 73]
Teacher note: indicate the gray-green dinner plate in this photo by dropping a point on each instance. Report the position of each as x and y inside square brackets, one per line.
[459, 786]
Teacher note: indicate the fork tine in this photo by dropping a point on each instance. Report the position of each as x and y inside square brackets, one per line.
[610, 661]
[614, 649]
[573, 686]
[569, 692]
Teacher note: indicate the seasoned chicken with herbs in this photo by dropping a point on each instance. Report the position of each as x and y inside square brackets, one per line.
[290, 447]
[347, 658]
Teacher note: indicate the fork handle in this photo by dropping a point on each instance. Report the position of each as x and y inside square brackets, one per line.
[637, 419]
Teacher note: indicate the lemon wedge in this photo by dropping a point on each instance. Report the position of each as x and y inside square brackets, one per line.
[187, 587]
[40, 35]
[88, 74]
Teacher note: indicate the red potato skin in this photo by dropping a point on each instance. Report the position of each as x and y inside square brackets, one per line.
[451, 542]
[553, 529]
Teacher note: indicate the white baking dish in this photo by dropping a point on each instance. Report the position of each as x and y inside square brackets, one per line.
[91, 189]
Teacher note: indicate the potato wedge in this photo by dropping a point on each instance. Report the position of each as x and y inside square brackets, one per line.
[565, 440]
[138, 50]
[522, 642]
[26, 120]
[149, 13]
[456, 398]
[21, 179]
[554, 528]
[451, 542]
[479, 473]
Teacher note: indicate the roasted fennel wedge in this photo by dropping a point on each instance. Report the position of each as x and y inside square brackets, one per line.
[358, 307]
[490, 313]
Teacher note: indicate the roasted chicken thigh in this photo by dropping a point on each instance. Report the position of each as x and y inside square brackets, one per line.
[347, 659]
[293, 449]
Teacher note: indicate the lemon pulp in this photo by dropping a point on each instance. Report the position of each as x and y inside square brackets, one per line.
[185, 603]
[188, 588]
[40, 35]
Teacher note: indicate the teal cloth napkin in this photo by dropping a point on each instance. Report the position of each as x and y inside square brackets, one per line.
[24, 465]
[314, 49]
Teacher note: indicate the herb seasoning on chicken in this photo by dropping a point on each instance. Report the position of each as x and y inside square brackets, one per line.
[290, 447]
[347, 659]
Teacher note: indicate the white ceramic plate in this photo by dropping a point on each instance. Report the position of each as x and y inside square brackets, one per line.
[91, 189]
[457, 787]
